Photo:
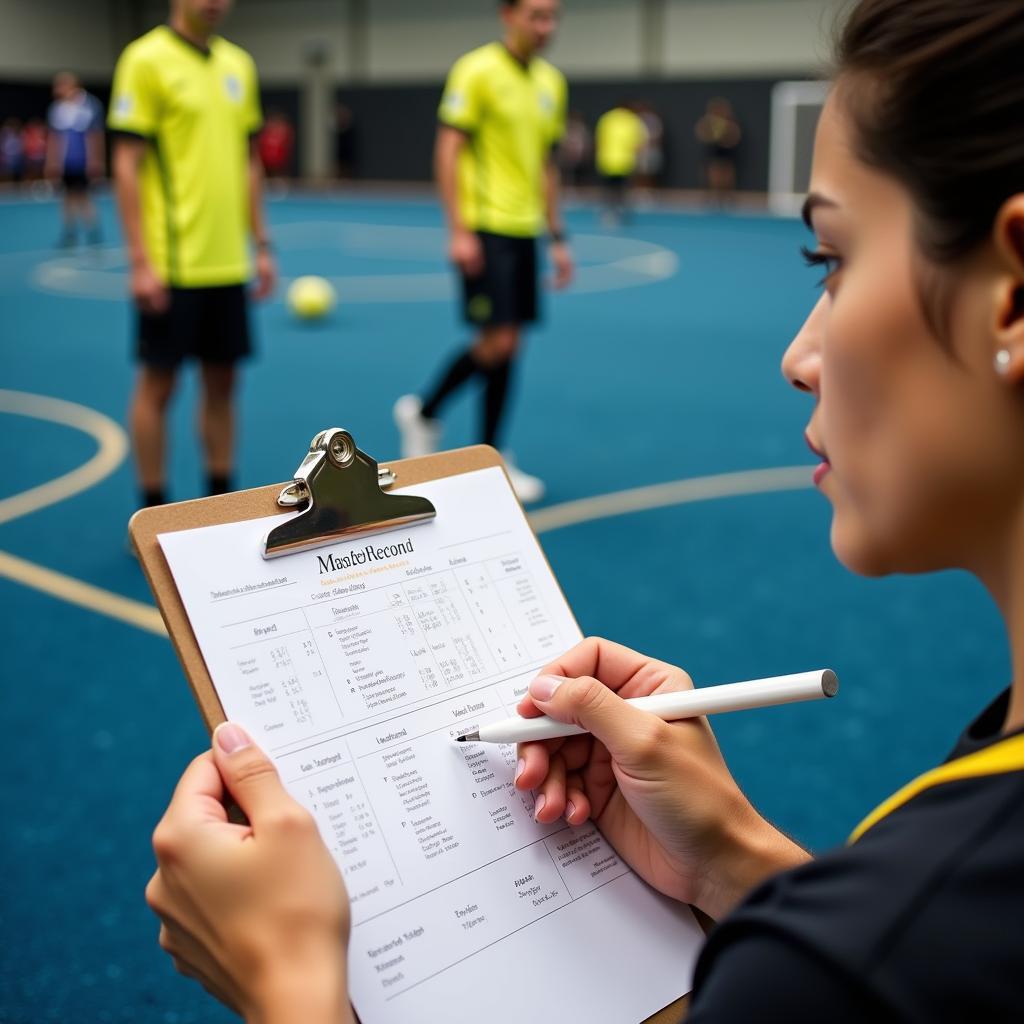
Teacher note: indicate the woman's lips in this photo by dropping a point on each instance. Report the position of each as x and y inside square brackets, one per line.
[822, 470]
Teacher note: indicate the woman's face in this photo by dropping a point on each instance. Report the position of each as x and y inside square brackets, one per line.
[918, 462]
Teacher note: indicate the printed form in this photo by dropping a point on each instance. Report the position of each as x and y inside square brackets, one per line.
[355, 666]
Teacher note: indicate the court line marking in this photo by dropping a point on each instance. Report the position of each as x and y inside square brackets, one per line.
[111, 438]
[675, 492]
[113, 447]
[145, 616]
[605, 263]
[85, 595]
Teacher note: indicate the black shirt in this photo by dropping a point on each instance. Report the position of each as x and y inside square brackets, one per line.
[921, 920]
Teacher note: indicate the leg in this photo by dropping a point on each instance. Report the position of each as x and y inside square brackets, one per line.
[68, 216]
[461, 369]
[217, 424]
[153, 390]
[495, 350]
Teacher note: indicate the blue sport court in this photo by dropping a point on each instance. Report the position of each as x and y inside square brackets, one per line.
[679, 519]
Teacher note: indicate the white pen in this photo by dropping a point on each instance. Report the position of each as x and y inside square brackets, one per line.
[706, 700]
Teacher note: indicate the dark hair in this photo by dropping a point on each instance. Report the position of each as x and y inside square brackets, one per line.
[935, 89]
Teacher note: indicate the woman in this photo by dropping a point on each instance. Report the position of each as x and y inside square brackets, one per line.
[914, 360]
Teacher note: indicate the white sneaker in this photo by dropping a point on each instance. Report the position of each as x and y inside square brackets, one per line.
[420, 436]
[528, 488]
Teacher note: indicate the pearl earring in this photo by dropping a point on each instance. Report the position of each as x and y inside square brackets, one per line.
[1002, 361]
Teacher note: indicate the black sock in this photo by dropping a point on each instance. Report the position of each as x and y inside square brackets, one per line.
[461, 369]
[495, 396]
[153, 496]
[218, 483]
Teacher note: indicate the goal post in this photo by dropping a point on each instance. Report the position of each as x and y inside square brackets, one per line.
[796, 107]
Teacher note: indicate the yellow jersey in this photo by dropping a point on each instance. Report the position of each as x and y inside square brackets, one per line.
[512, 114]
[198, 110]
[617, 139]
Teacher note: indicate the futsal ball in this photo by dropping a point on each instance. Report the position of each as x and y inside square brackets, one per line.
[310, 298]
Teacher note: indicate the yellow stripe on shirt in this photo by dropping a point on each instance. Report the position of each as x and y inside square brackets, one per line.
[1005, 756]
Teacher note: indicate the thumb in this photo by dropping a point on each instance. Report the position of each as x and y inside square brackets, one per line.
[631, 735]
[249, 775]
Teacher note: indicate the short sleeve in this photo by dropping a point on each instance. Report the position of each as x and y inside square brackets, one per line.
[253, 110]
[134, 100]
[560, 112]
[769, 978]
[462, 102]
[95, 115]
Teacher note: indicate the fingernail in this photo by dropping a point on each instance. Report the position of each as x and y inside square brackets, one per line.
[543, 687]
[231, 738]
[570, 810]
[539, 806]
[520, 768]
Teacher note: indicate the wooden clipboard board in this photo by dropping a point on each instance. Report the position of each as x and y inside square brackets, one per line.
[260, 503]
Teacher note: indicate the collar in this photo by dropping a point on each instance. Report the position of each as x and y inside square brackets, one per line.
[203, 51]
[522, 65]
[996, 758]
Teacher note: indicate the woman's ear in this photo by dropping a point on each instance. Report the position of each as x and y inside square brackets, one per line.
[1008, 236]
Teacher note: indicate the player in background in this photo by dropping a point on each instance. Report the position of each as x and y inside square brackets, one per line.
[501, 116]
[75, 154]
[189, 187]
[619, 137]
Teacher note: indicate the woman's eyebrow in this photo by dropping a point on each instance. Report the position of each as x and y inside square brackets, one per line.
[814, 200]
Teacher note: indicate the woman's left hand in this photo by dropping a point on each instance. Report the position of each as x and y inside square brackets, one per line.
[257, 913]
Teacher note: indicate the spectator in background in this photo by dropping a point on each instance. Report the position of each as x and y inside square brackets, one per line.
[719, 133]
[74, 153]
[344, 142]
[276, 145]
[12, 151]
[33, 145]
[575, 151]
[651, 159]
[620, 135]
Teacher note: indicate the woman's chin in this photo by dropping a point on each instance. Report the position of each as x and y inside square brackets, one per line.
[857, 553]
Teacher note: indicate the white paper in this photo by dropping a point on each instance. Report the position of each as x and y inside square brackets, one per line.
[355, 666]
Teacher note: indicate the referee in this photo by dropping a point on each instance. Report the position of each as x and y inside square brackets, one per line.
[502, 112]
[185, 108]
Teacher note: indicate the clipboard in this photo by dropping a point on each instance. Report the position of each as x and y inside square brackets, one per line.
[340, 492]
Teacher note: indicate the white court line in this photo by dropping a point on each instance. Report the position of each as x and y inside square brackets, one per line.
[113, 447]
[677, 492]
[605, 263]
[112, 441]
[85, 595]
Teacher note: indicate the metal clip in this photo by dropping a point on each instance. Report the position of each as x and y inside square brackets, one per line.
[342, 489]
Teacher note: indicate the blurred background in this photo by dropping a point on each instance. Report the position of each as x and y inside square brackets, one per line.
[653, 383]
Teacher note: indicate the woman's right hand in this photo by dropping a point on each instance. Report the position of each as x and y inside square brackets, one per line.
[660, 792]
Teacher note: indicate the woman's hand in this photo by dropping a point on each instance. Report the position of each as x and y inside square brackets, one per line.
[660, 792]
[257, 913]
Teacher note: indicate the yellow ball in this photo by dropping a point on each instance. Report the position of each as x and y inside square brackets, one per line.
[311, 298]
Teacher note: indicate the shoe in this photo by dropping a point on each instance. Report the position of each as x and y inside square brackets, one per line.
[529, 489]
[420, 436]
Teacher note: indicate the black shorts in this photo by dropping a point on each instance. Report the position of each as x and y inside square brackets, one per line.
[75, 181]
[208, 324]
[615, 183]
[506, 292]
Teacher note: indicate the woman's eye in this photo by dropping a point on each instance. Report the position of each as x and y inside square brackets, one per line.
[816, 258]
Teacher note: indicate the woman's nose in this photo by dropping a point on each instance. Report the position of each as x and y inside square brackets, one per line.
[801, 365]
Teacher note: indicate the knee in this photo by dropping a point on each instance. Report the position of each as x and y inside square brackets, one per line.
[156, 388]
[499, 345]
[218, 384]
